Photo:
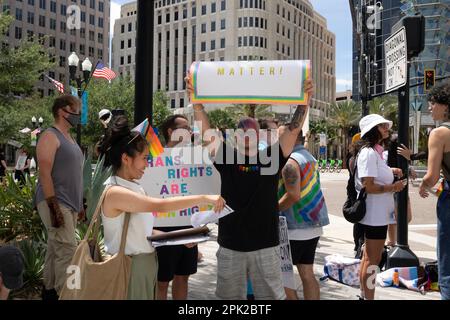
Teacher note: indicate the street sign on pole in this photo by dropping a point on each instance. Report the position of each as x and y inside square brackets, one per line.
[396, 53]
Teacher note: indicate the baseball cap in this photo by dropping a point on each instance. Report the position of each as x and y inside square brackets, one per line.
[11, 267]
[368, 122]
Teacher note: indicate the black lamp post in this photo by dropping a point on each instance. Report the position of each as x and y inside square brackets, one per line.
[86, 67]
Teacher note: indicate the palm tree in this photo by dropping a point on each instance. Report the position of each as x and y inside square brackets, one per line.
[386, 106]
[250, 110]
[344, 115]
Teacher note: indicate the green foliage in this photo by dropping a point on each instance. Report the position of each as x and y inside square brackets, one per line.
[386, 106]
[34, 257]
[250, 110]
[221, 119]
[160, 109]
[18, 219]
[93, 183]
[20, 67]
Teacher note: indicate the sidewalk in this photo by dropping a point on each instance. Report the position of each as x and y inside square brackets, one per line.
[337, 238]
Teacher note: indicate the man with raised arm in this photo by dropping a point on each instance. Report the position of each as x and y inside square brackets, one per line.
[248, 238]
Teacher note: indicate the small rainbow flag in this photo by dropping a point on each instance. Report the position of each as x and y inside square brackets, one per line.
[154, 145]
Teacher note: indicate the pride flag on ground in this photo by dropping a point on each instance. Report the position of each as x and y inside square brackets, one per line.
[154, 145]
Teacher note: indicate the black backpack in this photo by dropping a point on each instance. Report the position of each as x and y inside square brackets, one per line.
[354, 208]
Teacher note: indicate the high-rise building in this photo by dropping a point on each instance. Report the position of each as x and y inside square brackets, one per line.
[437, 44]
[47, 20]
[221, 30]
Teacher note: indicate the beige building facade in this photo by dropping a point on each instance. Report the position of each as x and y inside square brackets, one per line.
[48, 21]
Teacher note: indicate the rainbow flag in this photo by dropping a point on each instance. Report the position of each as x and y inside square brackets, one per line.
[154, 145]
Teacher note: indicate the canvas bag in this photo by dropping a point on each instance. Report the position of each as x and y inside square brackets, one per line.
[99, 280]
[342, 269]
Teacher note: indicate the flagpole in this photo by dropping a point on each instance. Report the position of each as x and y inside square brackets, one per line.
[90, 77]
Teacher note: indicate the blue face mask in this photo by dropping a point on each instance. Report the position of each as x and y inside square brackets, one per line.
[73, 119]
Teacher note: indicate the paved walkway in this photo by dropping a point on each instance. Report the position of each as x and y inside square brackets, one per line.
[337, 238]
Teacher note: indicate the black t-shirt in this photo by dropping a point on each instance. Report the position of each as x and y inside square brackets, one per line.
[253, 196]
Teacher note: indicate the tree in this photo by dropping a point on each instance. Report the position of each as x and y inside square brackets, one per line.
[160, 109]
[250, 110]
[385, 106]
[20, 67]
[344, 115]
[221, 119]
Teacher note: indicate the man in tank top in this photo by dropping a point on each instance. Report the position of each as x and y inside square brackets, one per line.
[59, 193]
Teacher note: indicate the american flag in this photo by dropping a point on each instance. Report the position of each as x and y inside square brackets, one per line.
[59, 86]
[103, 72]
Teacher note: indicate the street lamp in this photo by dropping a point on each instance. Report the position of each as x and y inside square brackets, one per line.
[86, 67]
[37, 123]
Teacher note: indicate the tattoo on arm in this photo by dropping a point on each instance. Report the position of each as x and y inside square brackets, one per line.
[290, 174]
[297, 118]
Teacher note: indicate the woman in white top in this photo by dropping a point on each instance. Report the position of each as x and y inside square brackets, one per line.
[128, 153]
[377, 178]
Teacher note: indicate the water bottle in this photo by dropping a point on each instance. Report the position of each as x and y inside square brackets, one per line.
[396, 279]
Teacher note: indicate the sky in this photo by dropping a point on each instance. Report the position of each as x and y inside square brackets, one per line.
[339, 20]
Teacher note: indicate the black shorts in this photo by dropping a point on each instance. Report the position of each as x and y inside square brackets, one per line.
[303, 251]
[176, 260]
[374, 232]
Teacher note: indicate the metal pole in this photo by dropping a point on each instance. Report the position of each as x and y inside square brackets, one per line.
[143, 107]
[401, 255]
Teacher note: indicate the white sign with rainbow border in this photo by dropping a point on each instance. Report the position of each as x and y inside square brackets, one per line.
[250, 82]
[180, 172]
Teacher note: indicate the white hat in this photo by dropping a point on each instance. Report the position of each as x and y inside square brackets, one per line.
[104, 112]
[368, 122]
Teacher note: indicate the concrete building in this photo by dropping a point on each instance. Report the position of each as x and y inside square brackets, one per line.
[47, 20]
[224, 30]
[344, 96]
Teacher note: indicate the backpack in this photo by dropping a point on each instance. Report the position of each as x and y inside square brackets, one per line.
[354, 208]
[342, 269]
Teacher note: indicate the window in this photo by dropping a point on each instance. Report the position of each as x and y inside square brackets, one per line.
[251, 22]
[62, 44]
[240, 22]
[122, 28]
[42, 21]
[130, 27]
[100, 54]
[92, 4]
[240, 42]
[129, 43]
[203, 46]
[82, 49]
[213, 45]
[194, 11]
[83, 16]
[100, 22]
[30, 35]
[100, 37]
[92, 19]
[62, 28]
[172, 103]
[203, 27]
[122, 44]
[245, 22]
[43, 4]
[245, 41]
[122, 61]
[30, 18]
[18, 14]
[100, 6]
[222, 43]
[53, 24]
[18, 33]
[52, 42]
[213, 7]
[31, 2]
[91, 35]
[223, 5]
[175, 16]
[72, 46]
[256, 22]
[222, 24]
[250, 41]
[203, 9]
[63, 9]
[213, 26]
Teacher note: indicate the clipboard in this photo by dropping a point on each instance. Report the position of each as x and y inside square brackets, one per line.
[180, 233]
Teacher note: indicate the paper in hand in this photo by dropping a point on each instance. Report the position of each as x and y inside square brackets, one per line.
[204, 217]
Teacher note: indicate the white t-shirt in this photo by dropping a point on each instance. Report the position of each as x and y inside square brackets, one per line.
[139, 228]
[305, 234]
[378, 206]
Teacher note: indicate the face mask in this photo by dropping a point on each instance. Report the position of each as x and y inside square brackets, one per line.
[73, 119]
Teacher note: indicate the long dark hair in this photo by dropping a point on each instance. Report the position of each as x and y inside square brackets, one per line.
[120, 140]
[369, 140]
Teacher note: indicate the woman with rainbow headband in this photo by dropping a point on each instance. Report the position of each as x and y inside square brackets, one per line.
[128, 153]
[439, 159]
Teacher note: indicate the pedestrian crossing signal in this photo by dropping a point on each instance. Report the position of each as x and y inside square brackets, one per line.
[429, 79]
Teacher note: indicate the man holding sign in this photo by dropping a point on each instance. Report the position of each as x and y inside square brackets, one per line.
[248, 237]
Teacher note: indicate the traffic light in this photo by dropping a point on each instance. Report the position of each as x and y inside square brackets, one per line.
[429, 79]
